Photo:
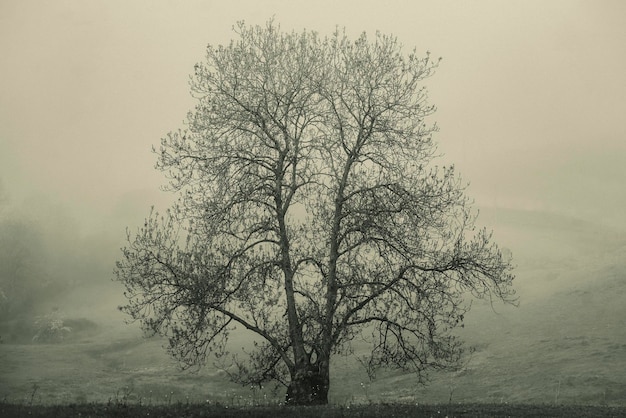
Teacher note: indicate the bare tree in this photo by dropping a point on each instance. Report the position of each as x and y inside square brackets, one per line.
[310, 214]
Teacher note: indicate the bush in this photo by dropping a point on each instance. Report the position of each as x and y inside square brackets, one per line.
[51, 328]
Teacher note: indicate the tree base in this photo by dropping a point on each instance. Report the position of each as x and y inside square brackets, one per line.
[310, 389]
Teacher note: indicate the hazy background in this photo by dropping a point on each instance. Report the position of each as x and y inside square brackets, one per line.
[530, 96]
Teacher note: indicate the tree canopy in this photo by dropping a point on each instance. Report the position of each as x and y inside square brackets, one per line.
[311, 212]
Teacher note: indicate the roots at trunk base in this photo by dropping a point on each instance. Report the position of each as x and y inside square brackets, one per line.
[308, 388]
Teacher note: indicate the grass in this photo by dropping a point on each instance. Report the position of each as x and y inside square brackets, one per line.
[372, 410]
[563, 348]
[535, 354]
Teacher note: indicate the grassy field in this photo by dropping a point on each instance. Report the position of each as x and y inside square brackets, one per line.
[564, 345]
[372, 410]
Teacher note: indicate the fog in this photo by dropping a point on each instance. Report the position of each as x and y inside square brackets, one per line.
[530, 105]
[529, 97]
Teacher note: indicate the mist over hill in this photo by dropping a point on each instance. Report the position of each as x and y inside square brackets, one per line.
[565, 342]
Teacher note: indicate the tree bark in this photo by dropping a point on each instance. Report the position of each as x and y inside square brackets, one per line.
[309, 386]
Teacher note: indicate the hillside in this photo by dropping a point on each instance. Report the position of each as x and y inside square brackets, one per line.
[565, 343]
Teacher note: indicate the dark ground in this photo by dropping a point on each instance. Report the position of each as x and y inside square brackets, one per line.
[373, 410]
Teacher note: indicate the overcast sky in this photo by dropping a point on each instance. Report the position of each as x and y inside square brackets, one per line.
[531, 95]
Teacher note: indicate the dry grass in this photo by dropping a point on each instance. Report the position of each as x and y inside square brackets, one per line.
[372, 410]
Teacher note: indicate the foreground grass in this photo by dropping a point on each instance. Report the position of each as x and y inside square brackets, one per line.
[373, 410]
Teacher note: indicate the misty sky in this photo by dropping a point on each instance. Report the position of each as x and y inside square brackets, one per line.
[531, 95]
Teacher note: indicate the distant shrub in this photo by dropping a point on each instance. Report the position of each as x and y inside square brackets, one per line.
[51, 328]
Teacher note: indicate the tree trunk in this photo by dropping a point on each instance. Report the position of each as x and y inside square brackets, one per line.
[309, 386]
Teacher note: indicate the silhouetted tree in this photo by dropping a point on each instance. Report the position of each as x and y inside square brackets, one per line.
[309, 214]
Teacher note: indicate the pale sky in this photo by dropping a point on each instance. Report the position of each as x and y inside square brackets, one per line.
[531, 95]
